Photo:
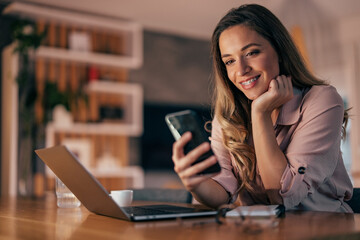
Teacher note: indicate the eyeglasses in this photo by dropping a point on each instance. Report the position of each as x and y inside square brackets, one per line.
[247, 219]
[243, 219]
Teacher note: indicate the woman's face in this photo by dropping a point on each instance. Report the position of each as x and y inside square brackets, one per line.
[251, 62]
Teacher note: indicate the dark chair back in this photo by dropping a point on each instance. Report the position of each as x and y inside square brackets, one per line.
[354, 202]
[162, 195]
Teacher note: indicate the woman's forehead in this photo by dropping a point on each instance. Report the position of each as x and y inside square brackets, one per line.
[242, 36]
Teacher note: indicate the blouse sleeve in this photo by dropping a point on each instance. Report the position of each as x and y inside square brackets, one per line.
[314, 148]
[226, 177]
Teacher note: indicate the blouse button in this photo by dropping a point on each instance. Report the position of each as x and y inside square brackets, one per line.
[301, 170]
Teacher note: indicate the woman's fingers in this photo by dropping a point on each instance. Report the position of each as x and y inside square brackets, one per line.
[178, 146]
[280, 82]
[191, 177]
[191, 157]
[184, 166]
[197, 168]
[279, 92]
[273, 85]
[284, 88]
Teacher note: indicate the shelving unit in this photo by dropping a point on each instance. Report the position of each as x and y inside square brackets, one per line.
[116, 46]
[133, 32]
[134, 112]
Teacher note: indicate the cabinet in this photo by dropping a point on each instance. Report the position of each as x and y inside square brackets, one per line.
[88, 56]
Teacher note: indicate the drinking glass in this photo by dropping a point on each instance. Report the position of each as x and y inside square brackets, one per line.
[65, 198]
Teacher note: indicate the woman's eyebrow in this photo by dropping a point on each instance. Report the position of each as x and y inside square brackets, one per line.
[250, 45]
[242, 49]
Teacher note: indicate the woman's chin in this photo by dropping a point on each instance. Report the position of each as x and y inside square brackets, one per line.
[252, 97]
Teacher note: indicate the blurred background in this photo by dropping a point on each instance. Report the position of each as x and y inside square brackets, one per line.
[100, 76]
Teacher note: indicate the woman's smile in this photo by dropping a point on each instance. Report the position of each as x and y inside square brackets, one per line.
[250, 83]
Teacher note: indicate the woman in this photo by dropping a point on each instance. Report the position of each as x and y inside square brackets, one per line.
[276, 130]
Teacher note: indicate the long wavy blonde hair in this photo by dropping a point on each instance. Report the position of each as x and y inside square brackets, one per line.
[230, 106]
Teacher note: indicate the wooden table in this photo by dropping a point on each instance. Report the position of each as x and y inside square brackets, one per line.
[41, 219]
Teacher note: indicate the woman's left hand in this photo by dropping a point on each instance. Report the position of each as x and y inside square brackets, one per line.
[280, 91]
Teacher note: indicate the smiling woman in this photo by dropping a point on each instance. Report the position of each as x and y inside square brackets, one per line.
[276, 129]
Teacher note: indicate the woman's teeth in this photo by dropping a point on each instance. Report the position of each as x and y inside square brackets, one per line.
[250, 81]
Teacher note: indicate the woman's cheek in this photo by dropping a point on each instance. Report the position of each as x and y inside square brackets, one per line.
[231, 76]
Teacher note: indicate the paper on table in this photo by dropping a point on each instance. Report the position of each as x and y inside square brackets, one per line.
[256, 211]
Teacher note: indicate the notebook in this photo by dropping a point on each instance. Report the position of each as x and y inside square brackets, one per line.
[257, 211]
[96, 199]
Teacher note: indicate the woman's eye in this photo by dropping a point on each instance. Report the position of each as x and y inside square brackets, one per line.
[252, 53]
[228, 62]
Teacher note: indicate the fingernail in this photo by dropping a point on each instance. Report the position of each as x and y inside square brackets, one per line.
[187, 134]
[213, 159]
[206, 145]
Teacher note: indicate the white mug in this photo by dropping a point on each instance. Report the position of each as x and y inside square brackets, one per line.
[122, 197]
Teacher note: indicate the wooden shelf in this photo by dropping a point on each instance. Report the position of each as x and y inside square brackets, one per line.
[96, 128]
[134, 127]
[101, 59]
[131, 30]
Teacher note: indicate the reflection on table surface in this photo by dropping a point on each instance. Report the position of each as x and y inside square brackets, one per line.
[24, 218]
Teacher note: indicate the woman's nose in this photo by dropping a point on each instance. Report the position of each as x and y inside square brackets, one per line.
[243, 67]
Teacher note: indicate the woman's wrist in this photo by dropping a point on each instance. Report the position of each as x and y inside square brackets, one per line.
[258, 113]
[210, 193]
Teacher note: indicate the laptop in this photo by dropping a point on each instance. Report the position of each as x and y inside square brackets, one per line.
[96, 199]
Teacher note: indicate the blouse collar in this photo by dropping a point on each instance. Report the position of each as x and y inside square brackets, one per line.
[290, 111]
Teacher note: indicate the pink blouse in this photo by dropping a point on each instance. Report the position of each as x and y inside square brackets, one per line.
[308, 131]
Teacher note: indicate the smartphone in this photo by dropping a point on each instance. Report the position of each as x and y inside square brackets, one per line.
[189, 120]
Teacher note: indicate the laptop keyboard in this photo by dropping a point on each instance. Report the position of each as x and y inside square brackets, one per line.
[156, 210]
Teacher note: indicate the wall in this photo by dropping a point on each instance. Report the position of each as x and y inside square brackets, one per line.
[176, 70]
[351, 44]
[175, 75]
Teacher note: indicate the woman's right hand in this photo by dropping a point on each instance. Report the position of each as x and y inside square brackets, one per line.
[188, 173]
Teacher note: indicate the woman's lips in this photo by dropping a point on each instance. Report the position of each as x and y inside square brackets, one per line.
[249, 83]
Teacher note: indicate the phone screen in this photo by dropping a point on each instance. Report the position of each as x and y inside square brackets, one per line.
[188, 120]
